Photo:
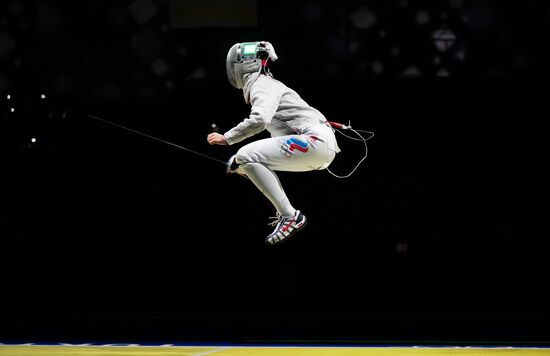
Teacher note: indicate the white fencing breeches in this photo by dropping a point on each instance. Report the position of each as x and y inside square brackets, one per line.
[260, 159]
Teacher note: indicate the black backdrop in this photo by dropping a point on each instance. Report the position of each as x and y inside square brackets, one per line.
[108, 235]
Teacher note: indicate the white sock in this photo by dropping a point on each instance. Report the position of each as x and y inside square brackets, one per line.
[268, 183]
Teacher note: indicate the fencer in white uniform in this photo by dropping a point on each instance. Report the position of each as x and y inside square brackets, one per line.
[301, 137]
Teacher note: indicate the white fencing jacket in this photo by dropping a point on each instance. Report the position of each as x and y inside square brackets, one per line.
[277, 109]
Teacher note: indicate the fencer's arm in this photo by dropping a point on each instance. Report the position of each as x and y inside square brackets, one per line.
[264, 105]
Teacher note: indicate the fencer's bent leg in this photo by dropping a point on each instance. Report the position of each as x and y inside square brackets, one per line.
[260, 159]
[268, 183]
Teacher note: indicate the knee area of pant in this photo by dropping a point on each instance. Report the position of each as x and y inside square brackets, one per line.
[236, 164]
[232, 164]
[241, 159]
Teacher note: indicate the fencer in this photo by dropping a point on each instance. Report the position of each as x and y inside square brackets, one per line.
[301, 137]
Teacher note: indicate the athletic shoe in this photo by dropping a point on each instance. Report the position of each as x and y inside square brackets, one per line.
[286, 227]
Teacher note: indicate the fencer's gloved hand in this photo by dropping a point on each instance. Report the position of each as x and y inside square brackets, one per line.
[269, 50]
[216, 138]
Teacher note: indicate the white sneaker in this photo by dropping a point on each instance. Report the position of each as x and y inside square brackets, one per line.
[286, 227]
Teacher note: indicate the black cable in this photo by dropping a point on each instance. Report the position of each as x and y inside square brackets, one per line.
[157, 139]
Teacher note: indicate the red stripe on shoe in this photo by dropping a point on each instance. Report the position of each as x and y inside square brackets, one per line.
[288, 225]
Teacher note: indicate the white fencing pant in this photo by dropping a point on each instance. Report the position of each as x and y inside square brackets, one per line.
[292, 153]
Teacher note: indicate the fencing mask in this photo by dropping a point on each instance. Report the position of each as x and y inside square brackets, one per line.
[248, 57]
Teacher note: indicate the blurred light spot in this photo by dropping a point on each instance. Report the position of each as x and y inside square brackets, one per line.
[377, 67]
[443, 39]
[197, 74]
[8, 97]
[159, 66]
[461, 54]
[42, 96]
[143, 10]
[422, 17]
[33, 140]
[12, 109]
[363, 18]
[443, 72]
[411, 72]
[401, 248]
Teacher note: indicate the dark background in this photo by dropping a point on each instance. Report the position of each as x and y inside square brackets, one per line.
[441, 235]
